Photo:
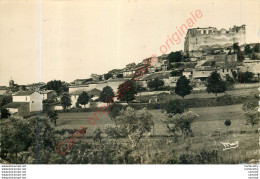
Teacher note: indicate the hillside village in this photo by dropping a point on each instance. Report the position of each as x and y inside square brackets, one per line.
[205, 50]
[179, 110]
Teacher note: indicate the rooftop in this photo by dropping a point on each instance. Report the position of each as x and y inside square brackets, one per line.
[47, 91]
[94, 92]
[23, 93]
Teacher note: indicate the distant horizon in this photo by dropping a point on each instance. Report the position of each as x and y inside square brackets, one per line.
[69, 41]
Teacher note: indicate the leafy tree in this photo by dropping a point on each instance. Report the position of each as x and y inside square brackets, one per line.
[4, 113]
[21, 138]
[246, 77]
[183, 87]
[252, 117]
[215, 84]
[97, 135]
[183, 121]
[53, 116]
[155, 84]
[115, 110]
[175, 106]
[107, 76]
[247, 49]
[175, 56]
[251, 103]
[236, 47]
[14, 89]
[49, 103]
[83, 98]
[227, 123]
[234, 74]
[253, 56]
[134, 124]
[107, 95]
[169, 123]
[256, 48]
[230, 82]
[129, 94]
[250, 107]
[65, 101]
[5, 99]
[57, 86]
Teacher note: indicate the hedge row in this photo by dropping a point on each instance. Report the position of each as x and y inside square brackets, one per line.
[196, 102]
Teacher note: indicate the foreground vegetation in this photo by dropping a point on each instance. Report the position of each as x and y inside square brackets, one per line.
[102, 145]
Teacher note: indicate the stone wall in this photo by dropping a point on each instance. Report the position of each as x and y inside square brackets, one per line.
[204, 38]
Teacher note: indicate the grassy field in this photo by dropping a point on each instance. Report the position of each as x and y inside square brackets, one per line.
[167, 97]
[205, 136]
[211, 119]
[76, 119]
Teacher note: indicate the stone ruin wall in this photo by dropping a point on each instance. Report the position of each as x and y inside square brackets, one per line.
[204, 38]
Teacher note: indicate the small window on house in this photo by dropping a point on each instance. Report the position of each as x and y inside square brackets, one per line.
[32, 101]
[227, 70]
[26, 98]
[223, 70]
[231, 70]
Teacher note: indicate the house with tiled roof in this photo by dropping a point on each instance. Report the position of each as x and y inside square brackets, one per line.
[25, 100]
[93, 94]
[47, 94]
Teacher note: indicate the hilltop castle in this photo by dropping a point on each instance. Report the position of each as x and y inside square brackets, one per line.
[203, 38]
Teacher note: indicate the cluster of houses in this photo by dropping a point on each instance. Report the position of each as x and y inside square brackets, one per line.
[197, 68]
[203, 53]
[33, 99]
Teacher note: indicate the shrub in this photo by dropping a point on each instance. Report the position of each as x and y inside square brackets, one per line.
[175, 106]
[154, 84]
[227, 123]
[4, 113]
[246, 77]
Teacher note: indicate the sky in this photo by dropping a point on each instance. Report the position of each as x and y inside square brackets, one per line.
[70, 39]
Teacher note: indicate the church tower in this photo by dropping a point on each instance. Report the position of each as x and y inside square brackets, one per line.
[11, 83]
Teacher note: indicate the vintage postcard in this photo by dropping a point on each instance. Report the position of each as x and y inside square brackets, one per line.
[129, 82]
